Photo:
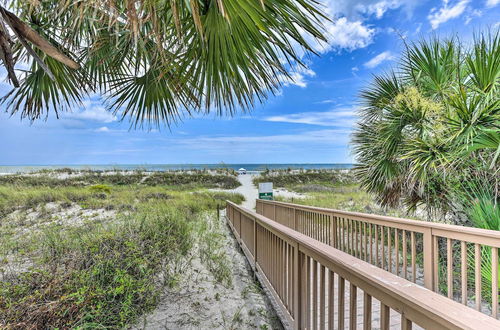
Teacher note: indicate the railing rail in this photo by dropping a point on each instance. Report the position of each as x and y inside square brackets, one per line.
[317, 286]
[459, 262]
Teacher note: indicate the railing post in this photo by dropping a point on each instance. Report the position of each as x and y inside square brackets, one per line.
[429, 255]
[274, 211]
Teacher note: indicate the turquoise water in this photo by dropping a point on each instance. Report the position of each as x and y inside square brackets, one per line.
[171, 167]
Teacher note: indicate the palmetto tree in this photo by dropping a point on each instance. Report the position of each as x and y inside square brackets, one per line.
[432, 124]
[153, 59]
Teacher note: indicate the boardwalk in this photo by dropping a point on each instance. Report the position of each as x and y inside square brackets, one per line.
[312, 283]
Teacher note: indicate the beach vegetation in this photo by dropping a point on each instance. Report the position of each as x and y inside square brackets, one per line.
[429, 131]
[181, 180]
[70, 258]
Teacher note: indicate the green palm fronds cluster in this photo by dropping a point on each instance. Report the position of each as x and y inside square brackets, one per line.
[154, 60]
[431, 127]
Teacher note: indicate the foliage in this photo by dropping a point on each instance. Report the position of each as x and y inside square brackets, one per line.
[101, 188]
[102, 274]
[156, 61]
[197, 178]
[432, 124]
[283, 178]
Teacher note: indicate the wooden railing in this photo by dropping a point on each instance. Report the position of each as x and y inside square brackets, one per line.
[458, 262]
[315, 286]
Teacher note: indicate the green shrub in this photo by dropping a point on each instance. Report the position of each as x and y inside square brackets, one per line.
[101, 188]
[284, 178]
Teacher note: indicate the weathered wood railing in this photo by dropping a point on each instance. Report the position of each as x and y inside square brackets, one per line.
[316, 286]
[447, 259]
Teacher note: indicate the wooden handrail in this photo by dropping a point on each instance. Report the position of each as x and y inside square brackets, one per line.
[307, 279]
[483, 233]
[395, 244]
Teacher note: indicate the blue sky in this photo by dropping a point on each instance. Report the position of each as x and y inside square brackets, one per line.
[310, 121]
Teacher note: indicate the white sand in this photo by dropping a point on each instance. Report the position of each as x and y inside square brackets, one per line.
[200, 303]
[251, 193]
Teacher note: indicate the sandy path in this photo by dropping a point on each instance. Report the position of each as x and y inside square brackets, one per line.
[251, 193]
[199, 302]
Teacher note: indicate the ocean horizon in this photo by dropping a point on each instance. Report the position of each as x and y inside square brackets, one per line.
[172, 167]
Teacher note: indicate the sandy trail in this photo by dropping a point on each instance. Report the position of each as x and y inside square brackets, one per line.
[251, 193]
[201, 303]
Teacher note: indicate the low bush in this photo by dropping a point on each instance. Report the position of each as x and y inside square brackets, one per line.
[283, 178]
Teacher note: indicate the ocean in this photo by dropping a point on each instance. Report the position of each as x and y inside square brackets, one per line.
[170, 167]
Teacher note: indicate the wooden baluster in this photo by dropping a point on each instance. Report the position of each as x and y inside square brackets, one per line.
[371, 242]
[331, 299]
[353, 299]
[315, 294]
[365, 235]
[435, 257]
[309, 293]
[413, 257]
[405, 257]
[385, 316]
[494, 281]
[376, 246]
[382, 254]
[477, 258]
[405, 323]
[449, 266]
[367, 312]
[396, 246]
[322, 298]
[463, 276]
[389, 248]
[341, 298]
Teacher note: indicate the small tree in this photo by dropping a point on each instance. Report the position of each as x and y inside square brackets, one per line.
[429, 131]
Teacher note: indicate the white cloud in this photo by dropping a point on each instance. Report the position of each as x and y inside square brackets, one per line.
[339, 117]
[326, 101]
[358, 8]
[377, 60]
[298, 77]
[349, 35]
[92, 111]
[492, 3]
[102, 129]
[445, 13]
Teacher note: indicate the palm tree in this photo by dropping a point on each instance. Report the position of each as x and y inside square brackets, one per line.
[154, 60]
[432, 124]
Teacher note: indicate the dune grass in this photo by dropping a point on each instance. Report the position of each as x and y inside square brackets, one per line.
[101, 274]
[286, 178]
[191, 179]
